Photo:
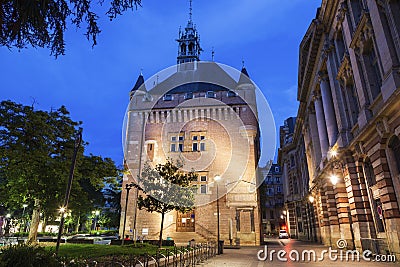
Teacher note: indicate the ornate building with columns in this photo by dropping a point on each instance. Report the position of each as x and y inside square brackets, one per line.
[349, 116]
[207, 119]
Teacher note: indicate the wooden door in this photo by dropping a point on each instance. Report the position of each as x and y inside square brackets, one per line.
[185, 222]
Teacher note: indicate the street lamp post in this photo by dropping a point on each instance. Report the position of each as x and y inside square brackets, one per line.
[78, 142]
[96, 214]
[128, 188]
[217, 179]
[23, 223]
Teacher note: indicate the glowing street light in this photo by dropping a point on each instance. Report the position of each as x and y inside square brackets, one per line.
[311, 199]
[62, 209]
[334, 179]
[96, 213]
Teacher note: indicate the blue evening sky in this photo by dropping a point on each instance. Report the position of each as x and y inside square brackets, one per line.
[94, 84]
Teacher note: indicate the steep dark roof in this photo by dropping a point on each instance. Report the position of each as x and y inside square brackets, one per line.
[244, 71]
[244, 77]
[138, 84]
[207, 76]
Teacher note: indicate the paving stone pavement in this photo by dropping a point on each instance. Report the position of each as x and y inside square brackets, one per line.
[247, 256]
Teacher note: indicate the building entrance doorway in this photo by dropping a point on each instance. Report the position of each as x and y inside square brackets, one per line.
[185, 222]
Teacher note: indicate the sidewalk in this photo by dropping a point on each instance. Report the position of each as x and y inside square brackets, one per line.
[247, 256]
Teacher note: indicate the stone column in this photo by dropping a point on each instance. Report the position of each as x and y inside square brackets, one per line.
[323, 135]
[329, 111]
[313, 130]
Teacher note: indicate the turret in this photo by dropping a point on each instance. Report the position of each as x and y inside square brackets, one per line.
[188, 42]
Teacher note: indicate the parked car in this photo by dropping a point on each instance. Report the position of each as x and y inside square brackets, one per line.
[104, 240]
[79, 236]
[283, 234]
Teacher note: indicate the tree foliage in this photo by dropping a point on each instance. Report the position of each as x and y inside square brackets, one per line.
[36, 149]
[42, 23]
[165, 188]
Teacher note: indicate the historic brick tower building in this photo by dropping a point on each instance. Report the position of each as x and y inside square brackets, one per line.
[204, 117]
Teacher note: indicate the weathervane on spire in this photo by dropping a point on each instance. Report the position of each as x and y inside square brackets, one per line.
[190, 10]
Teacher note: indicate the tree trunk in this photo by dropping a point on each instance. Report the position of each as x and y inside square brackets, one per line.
[35, 222]
[44, 224]
[77, 223]
[162, 226]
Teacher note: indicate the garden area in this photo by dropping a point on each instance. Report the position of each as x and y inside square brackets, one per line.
[140, 254]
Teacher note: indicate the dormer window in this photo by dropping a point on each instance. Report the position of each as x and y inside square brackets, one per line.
[147, 98]
[167, 97]
[210, 94]
[231, 94]
[189, 95]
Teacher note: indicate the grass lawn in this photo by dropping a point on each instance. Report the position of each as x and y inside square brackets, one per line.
[95, 251]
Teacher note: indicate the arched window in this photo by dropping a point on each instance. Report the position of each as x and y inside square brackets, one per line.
[370, 180]
[356, 11]
[394, 145]
[183, 49]
[369, 173]
[372, 70]
[191, 48]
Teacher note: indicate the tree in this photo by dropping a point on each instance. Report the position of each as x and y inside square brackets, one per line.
[36, 149]
[93, 174]
[42, 23]
[166, 188]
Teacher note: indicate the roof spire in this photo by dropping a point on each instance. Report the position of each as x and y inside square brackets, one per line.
[189, 41]
[190, 10]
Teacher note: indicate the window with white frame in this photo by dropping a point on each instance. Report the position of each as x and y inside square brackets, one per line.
[176, 142]
[189, 95]
[198, 141]
[231, 94]
[167, 97]
[203, 189]
[210, 94]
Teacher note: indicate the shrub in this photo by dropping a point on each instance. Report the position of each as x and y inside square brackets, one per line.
[27, 256]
